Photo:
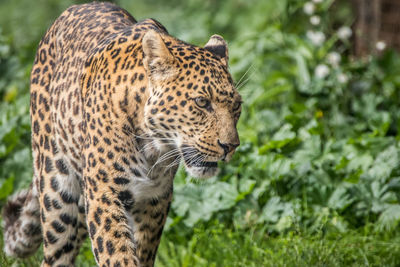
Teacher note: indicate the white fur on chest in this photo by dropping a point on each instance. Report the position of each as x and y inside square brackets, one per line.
[144, 188]
[157, 176]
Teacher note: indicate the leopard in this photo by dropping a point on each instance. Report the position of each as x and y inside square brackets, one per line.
[116, 106]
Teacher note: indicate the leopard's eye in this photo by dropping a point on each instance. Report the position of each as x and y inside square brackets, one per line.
[236, 106]
[202, 102]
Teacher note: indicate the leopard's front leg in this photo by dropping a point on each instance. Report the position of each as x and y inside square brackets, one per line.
[149, 217]
[109, 229]
[107, 204]
[126, 210]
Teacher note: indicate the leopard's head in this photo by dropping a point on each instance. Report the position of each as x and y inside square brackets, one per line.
[193, 105]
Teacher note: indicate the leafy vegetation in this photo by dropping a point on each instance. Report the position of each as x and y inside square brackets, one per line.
[316, 179]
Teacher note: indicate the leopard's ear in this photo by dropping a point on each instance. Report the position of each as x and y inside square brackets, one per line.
[218, 46]
[157, 60]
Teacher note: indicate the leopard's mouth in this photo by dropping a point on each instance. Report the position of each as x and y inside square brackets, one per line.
[194, 158]
[195, 163]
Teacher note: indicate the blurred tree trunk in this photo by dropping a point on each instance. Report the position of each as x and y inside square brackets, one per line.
[376, 21]
[367, 26]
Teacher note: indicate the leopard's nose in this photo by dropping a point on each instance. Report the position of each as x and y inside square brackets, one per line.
[227, 147]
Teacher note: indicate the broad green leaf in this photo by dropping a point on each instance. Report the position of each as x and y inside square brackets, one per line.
[7, 187]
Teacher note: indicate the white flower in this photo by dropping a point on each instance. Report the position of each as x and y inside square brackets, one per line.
[344, 33]
[334, 58]
[381, 45]
[318, 1]
[342, 78]
[309, 8]
[321, 71]
[317, 38]
[315, 20]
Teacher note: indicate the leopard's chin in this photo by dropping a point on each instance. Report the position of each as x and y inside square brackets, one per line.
[202, 172]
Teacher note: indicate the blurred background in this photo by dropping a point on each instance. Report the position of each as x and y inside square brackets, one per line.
[316, 180]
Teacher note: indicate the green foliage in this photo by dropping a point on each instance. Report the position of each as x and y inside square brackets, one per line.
[14, 119]
[316, 179]
[314, 148]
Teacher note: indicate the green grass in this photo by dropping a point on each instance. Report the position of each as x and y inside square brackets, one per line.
[219, 246]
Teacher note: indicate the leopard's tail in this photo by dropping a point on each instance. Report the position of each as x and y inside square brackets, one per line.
[22, 231]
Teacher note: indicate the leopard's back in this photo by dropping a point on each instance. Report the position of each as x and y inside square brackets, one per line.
[56, 91]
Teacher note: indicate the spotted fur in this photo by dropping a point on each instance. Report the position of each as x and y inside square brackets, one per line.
[115, 106]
